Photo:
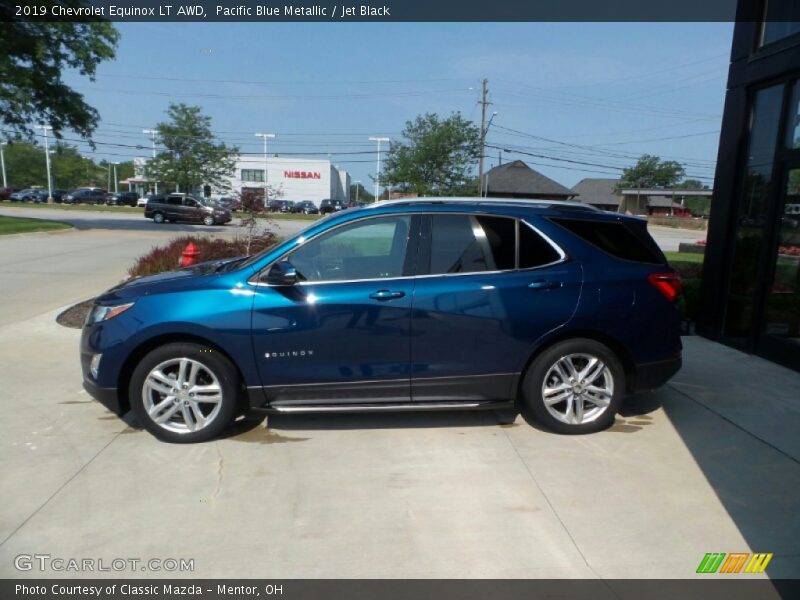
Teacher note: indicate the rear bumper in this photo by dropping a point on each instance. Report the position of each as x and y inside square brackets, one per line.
[108, 397]
[649, 376]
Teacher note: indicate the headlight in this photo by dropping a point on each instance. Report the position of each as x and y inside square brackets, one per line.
[104, 313]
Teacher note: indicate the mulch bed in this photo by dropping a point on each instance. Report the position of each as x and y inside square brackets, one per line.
[74, 316]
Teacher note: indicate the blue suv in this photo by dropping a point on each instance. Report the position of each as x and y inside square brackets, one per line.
[405, 305]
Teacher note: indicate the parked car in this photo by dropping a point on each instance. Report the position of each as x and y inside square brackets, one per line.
[231, 204]
[284, 206]
[329, 206]
[305, 207]
[122, 199]
[85, 195]
[40, 197]
[26, 195]
[554, 307]
[5, 193]
[183, 207]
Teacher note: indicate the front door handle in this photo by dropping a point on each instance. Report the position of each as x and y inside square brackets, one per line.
[541, 284]
[386, 295]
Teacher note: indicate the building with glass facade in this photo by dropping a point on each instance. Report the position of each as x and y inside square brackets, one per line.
[750, 298]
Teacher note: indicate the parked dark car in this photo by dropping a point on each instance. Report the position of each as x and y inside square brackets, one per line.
[182, 207]
[231, 204]
[122, 198]
[40, 197]
[430, 304]
[284, 206]
[5, 193]
[85, 196]
[305, 207]
[26, 195]
[329, 206]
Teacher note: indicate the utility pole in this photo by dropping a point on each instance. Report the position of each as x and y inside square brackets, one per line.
[45, 128]
[265, 136]
[358, 186]
[484, 102]
[152, 133]
[3, 164]
[378, 170]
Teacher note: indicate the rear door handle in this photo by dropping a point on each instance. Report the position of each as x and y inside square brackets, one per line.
[386, 295]
[541, 284]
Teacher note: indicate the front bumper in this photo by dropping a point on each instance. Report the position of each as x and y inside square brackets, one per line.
[108, 397]
[649, 376]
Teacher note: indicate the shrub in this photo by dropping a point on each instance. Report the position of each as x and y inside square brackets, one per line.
[167, 258]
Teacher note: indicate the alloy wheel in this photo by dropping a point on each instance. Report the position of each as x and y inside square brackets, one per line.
[182, 395]
[577, 389]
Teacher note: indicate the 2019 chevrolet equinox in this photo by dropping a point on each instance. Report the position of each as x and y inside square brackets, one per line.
[402, 305]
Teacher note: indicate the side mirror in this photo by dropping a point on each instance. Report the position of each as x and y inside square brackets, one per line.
[281, 273]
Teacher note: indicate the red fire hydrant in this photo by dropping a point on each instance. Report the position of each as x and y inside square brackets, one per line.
[189, 256]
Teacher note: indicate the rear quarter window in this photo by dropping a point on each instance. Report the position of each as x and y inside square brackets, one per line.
[616, 239]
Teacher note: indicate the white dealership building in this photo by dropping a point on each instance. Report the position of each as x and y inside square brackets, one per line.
[290, 178]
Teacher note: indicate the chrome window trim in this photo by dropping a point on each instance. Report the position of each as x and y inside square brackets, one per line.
[254, 279]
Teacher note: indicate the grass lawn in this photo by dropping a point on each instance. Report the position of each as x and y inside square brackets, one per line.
[67, 207]
[18, 225]
[139, 211]
[684, 257]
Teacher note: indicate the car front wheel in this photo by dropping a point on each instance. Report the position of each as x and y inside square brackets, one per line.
[208, 220]
[184, 392]
[575, 387]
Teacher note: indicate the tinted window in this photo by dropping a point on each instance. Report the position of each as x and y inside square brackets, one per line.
[176, 200]
[469, 244]
[369, 249]
[534, 250]
[615, 239]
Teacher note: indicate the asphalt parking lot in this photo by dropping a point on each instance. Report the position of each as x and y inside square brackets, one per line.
[709, 463]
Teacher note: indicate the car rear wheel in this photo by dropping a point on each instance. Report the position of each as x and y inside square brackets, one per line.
[158, 218]
[575, 387]
[184, 392]
[208, 220]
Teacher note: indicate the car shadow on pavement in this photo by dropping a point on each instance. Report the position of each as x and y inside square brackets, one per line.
[393, 420]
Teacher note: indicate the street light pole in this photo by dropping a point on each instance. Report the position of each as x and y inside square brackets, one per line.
[3, 164]
[116, 181]
[378, 171]
[45, 128]
[265, 137]
[152, 133]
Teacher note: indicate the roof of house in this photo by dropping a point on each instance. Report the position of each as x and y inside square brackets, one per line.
[598, 191]
[518, 178]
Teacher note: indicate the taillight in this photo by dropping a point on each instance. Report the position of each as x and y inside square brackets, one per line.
[668, 283]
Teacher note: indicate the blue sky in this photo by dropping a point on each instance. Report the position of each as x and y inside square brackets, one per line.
[599, 93]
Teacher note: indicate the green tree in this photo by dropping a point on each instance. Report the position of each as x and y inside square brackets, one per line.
[699, 205]
[435, 156]
[33, 55]
[652, 172]
[25, 165]
[358, 190]
[192, 155]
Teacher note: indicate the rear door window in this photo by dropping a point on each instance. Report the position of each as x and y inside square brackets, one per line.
[471, 243]
[617, 239]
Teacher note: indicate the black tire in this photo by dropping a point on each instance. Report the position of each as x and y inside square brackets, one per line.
[532, 386]
[208, 221]
[158, 218]
[211, 360]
